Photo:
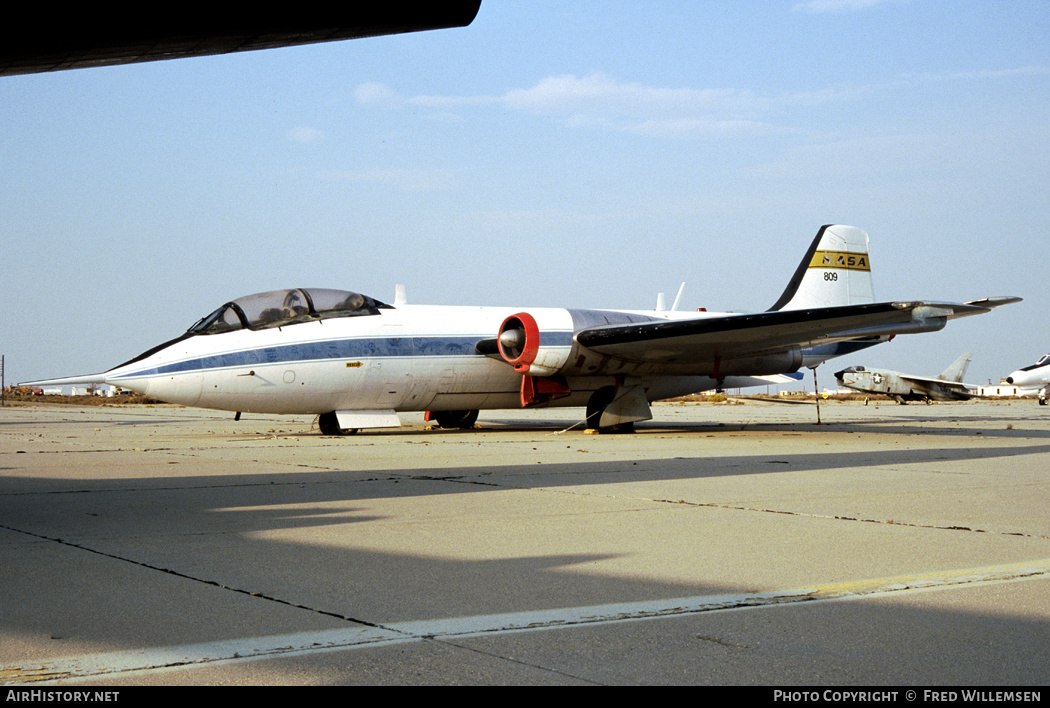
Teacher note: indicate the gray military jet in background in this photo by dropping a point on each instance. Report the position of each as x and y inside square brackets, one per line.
[947, 386]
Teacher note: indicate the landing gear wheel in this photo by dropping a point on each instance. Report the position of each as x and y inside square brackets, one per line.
[597, 404]
[329, 425]
[464, 420]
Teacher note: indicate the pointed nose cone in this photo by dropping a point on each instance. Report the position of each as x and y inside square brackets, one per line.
[124, 376]
[1024, 378]
[165, 372]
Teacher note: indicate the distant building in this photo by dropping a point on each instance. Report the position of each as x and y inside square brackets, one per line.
[1002, 389]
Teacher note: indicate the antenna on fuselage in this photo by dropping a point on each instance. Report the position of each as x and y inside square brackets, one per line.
[661, 305]
[678, 297]
[399, 295]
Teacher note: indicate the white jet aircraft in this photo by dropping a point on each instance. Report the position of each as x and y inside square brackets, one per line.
[1035, 376]
[356, 362]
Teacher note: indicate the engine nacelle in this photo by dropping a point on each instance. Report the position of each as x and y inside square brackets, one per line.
[523, 346]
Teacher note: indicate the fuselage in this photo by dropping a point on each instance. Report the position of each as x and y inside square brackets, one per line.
[409, 358]
[1038, 374]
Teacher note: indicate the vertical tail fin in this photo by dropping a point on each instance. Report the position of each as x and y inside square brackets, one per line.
[836, 270]
[957, 370]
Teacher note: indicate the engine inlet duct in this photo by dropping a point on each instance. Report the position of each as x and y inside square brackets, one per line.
[519, 341]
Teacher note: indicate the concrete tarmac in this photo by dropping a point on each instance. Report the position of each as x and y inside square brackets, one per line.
[719, 544]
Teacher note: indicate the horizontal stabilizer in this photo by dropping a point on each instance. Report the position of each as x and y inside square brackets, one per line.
[782, 378]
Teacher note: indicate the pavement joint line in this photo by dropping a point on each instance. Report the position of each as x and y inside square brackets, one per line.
[458, 628]
[889, 522]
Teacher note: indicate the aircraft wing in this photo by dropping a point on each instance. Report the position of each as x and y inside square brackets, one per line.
[725, 337]
[928, 383]
[38, 38]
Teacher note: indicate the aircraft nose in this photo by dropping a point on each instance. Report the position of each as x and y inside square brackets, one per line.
[1009, 379]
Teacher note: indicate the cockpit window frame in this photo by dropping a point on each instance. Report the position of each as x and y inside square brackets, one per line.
[1039, 364]
[282, 308]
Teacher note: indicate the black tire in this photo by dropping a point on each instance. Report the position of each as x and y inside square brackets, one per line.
[329, 425]
[597, 404]
[463, 420]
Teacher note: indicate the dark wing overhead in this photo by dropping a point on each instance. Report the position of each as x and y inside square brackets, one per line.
[44, 38]
[726, 337]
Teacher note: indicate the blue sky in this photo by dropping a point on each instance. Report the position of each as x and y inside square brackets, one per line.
[582, 154]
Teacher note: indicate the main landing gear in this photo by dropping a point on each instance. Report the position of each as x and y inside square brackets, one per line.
[329, 425]
[604, 418]
[462, 420]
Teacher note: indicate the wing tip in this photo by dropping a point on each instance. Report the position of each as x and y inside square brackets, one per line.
[997, 301]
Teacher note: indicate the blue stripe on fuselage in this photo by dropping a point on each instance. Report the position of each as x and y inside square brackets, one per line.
[366, 347]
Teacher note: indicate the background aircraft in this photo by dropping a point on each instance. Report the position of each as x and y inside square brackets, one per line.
[1036, 375]
[89, 36]
[947, 386]
[356, 361]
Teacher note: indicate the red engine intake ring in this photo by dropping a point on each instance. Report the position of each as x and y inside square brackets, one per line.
[526, 323]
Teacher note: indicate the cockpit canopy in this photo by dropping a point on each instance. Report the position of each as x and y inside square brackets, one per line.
[278, 308]
[1042, 362]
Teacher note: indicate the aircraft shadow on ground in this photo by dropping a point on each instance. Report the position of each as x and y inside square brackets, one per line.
[137, 568]
[130, 538]
[986, 427]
